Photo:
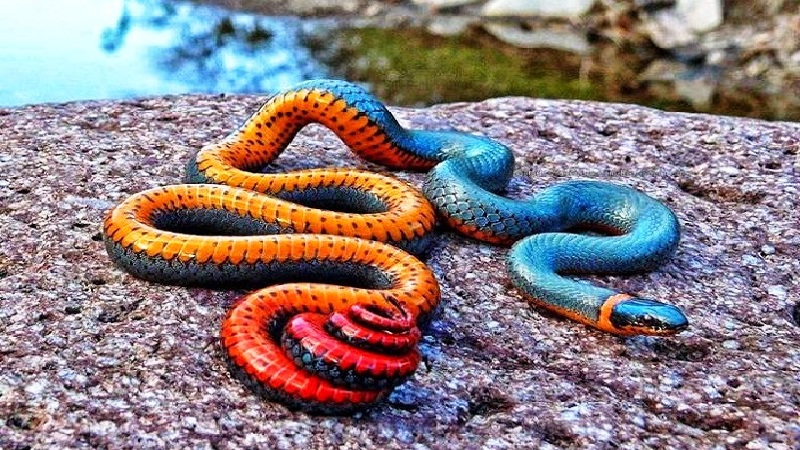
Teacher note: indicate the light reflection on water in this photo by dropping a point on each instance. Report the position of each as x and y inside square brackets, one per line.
[100, 49]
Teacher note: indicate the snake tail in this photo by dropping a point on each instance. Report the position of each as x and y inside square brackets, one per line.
[324, 363]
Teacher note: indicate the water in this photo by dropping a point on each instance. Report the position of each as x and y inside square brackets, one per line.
[56, 51]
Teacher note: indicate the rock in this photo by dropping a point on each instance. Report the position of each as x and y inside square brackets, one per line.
[700, 15]
[681, 26]
[716, 57]
[697, 87]
[561, 39]
[786, 42]
[316, 7]
[663, 70]
[794, 61]
[443, 4]
[668, 30]
[449, 25]
[543, 8]
[699, 91]
[92, 357]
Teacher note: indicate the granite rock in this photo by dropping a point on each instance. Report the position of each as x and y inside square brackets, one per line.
[93, 358]
[524, 8]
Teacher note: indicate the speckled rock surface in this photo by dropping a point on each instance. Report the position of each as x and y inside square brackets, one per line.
[94, 358]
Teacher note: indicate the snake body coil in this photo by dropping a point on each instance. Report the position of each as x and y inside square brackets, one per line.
[335, 329]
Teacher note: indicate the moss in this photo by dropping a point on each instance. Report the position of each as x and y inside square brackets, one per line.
[409, 67]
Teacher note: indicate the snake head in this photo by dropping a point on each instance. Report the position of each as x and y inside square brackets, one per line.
[637, 315]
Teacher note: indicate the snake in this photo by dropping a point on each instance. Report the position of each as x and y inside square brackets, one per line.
[333, 254]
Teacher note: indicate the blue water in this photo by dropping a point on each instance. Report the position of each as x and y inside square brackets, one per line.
[55, 51]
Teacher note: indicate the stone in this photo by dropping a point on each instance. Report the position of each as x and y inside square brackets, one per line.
[698, 90]
[561, 39]
[443, 4]
[700, 15]
[317, 7]
[663, 70]
[449, 25]
[543, 8]
[668, 30]
[94, 358]
[652, 5]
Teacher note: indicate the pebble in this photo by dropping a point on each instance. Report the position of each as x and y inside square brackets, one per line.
[700, 15]
[527, 8]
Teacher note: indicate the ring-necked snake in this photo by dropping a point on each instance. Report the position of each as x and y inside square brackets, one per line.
[335, 330]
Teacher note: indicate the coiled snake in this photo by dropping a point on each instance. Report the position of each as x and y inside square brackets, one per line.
[335, 329]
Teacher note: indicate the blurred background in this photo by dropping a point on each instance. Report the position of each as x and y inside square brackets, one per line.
[732, 57]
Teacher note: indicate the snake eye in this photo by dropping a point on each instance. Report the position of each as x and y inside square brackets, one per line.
[646, 316]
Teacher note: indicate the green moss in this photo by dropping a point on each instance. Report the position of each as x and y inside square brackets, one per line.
[409, 67]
